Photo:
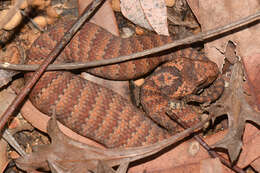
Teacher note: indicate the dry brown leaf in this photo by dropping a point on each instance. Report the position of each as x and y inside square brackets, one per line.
[150, 14]
[211, 14]
[3, 155]
[204, 166]
[211, 166]
[256, 165]
[251, 141]
[104, 17]
[68, 154]
[252, 68]
[6, 98]
[234, 104]
[180, 156]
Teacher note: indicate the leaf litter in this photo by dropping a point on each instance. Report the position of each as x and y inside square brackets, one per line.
[238, 112]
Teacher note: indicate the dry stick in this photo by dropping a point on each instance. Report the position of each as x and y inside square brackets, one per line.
[206, 146]
[188, 40]
[55, 52]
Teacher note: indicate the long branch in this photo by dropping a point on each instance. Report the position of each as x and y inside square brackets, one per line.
[188, 40]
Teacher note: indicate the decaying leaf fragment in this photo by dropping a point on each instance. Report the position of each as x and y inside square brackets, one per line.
[234, 104]
[62, 155]
[12, 56]
[150, 14]
[67, 155]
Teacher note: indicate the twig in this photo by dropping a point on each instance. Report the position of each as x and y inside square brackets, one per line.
[211, 152]
[188, 40]
[54, 53]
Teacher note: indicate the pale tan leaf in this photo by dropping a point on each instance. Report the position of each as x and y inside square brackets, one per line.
[150, 14]
[156, 13]
[133, 11]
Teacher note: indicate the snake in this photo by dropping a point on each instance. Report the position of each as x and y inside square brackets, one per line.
[99, 113]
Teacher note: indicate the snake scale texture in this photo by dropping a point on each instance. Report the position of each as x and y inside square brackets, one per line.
[88, 108]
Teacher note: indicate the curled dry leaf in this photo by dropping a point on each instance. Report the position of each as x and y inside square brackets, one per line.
[150, 14]
[15, 20]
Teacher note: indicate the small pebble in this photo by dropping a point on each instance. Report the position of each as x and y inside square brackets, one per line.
[127, 32]
[115, 4]
[194, 148]
[169, 3]
[41, 21]
[139, 30]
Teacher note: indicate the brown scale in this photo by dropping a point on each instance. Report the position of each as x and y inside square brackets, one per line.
[90, 109]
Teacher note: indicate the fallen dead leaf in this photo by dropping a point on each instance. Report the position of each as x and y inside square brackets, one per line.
[211, 14]
[108, 22]
[3, 155]
[256, 165]
[6, 98]
[180, 157]
[146, 13]
[71, 155]
[156, 13]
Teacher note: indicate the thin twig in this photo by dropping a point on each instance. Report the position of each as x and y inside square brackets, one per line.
[188, 40]
[54, 53]
[211, 152]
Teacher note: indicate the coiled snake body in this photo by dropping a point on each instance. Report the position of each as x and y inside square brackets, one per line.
[101, 114]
